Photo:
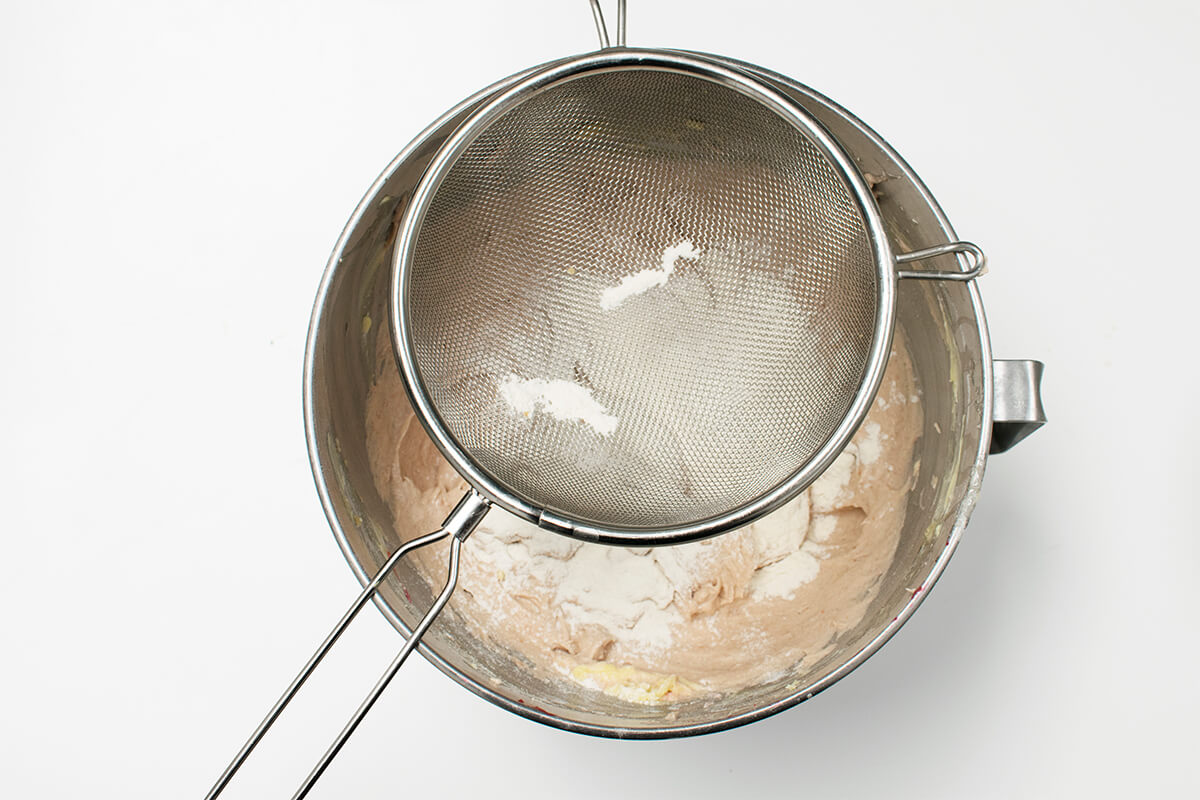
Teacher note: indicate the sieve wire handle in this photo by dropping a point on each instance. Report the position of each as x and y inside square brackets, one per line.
[978, 262]
[602, 29]
[461, 522]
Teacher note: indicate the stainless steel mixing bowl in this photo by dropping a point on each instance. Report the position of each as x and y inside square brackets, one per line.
[946, 332]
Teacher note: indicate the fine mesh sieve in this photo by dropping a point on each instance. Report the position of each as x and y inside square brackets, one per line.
[642, 298]
[637, 298]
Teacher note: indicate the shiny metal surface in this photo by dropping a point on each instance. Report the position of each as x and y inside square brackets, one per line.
[602, 28]
[459, 524]
[976, 267]
[945, 327]
[735, 384]
[409, 644]
[1017, 409]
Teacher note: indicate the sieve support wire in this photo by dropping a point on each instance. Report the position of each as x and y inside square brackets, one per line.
[602, 28]
[976, 268]
[458, 525]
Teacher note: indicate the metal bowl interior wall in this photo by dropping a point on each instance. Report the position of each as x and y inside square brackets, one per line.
[942, 321]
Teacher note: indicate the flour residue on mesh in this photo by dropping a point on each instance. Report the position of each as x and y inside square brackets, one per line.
[560, 399]
[647, 279]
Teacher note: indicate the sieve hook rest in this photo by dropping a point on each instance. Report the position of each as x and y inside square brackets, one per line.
[978, 262]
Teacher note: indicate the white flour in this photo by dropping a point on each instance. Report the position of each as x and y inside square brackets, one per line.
[558, 398]
[634, 593]
[639, 282]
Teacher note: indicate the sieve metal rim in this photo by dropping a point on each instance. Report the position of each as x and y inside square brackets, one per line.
[668, 61]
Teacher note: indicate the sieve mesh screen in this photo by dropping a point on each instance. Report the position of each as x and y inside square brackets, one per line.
[641, 298]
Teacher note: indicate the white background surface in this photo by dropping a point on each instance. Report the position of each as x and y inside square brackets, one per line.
[173, 177]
